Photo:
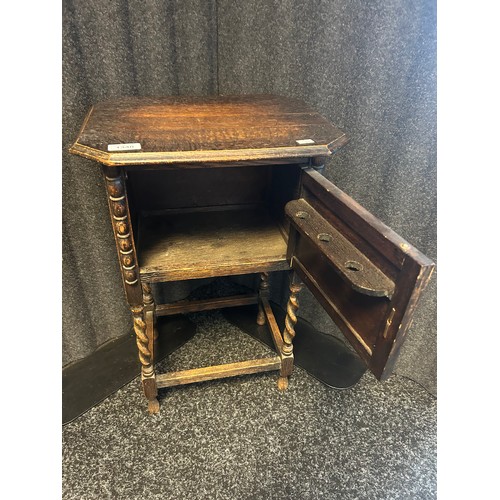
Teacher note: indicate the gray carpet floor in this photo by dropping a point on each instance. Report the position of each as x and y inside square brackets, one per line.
[241, 438]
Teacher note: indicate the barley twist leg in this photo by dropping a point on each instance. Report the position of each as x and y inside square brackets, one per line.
[289, 333]
[144, 332]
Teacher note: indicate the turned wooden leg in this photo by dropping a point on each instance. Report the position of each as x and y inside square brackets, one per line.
[149, 303]
[289, 333]
[263, 293]
[144, 331]
[139, 298]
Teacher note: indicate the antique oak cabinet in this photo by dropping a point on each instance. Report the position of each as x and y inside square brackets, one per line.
[218, 186]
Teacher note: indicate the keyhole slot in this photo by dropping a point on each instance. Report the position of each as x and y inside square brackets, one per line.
[302, 215]
[324, 237]
[352, 265]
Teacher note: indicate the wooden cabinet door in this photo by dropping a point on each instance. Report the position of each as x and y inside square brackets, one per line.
[367, 278]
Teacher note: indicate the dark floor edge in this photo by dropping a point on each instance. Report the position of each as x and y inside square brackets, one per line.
[91, 380]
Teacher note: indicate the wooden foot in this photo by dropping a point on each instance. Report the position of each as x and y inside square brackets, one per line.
[283, 383]
[263, 293]
[153, 406]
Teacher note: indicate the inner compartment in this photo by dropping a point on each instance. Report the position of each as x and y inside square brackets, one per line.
[192, 223]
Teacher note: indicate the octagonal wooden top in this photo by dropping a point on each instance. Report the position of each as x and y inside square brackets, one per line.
[146, 130]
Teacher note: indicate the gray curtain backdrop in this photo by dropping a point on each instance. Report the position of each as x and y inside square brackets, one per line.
[370, 67]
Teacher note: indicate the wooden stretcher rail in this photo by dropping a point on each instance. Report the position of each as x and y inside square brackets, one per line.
[273, 326]
[187, 306]
[218, 371]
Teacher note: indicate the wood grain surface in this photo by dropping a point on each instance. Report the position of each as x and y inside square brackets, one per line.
[349, 262]
[203, 129]
[218, 371]
[193, 245]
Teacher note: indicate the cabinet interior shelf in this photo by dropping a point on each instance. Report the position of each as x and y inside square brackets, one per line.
[193, 244]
